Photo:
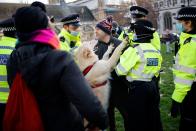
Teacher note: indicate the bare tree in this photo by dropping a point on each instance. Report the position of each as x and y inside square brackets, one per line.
[148, 4]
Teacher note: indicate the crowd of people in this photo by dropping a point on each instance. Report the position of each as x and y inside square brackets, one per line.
[42, 87]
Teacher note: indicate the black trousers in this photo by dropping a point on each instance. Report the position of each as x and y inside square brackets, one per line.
[188, 111]
[118, 100]
[2, 111]
[143, 107]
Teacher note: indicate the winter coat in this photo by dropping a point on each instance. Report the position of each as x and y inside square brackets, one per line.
[63, 95]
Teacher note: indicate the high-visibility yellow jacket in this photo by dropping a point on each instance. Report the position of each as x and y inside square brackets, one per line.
[130, 35]
[7, 45]
[156, 42]
[184, 69]
[141, 62]
[66, 38]
[184, 36]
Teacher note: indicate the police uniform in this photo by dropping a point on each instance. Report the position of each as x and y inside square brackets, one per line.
[139, 12]
[69, 42]
[7, 45]
[140, 64]
[125, 33]
[184, 71]
[136, 12]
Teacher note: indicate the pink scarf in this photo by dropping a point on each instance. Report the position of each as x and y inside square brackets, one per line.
[45, 36]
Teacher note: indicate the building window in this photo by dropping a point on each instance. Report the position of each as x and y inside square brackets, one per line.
[156, 5]
[165, 3]
[169, 2]
[161, 4]
[183, 1]
[167, 21]
[175, 2]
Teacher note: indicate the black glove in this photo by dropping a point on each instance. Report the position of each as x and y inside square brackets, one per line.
[72, 44]
[175, 109]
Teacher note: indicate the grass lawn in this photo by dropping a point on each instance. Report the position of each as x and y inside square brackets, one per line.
[166, 89]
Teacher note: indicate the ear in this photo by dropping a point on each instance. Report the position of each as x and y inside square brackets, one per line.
[87, 53]
[65, 27]
[189, 23]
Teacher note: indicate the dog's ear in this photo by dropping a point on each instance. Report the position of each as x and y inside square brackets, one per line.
[87, 53]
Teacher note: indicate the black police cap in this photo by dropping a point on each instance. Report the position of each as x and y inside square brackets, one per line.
[73, 19]
[186, 13]
[137, 11]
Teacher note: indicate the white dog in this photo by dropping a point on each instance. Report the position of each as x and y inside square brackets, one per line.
[97, 72]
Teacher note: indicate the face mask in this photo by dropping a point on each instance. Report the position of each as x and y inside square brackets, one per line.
[135, 37]
[180, 27]
[74, 33]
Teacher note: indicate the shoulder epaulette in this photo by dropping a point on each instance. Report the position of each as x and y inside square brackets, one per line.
[187, 40]
[135, 45]
[62, 39]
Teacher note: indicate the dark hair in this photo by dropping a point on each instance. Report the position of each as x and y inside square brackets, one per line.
[194, 24]
[39, 5]
[29, 19]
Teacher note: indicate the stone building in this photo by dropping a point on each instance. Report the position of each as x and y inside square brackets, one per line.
[167, 10]
[59, 11]
[96, 6]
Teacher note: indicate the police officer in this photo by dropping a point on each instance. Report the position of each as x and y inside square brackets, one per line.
[184, 95]
[7, 45]
[140, 64]
[69, 35]
[139, 13]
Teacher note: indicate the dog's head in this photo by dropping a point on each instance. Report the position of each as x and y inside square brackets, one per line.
[85, 54]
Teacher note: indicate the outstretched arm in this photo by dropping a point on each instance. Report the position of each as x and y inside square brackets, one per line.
[108, 52]
[117, 52]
